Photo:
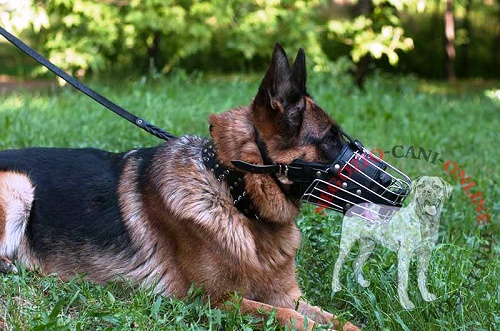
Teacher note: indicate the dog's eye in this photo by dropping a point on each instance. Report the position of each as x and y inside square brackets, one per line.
[327, 141]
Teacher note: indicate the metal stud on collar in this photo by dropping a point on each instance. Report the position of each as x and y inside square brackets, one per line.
[233, 179]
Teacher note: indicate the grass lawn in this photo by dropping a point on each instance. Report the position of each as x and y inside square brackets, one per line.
[393, 114]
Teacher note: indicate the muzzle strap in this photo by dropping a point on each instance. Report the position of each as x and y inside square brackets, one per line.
[271, 169]
[355, 176]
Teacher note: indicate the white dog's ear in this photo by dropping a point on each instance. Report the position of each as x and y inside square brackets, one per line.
[447, 188]
[414, 184]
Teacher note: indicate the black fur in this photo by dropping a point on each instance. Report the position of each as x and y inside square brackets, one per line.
[76, 200]
[329, 145]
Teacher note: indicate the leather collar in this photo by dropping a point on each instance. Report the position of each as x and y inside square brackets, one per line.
[234, 180]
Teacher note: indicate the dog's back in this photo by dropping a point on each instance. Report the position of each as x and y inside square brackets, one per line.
[69, 206]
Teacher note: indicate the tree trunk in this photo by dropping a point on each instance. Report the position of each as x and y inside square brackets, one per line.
[496, 40]
[362, 70]
[154, 52]
[449, 31]
[464, 49]
[365, 8]
[437, 41]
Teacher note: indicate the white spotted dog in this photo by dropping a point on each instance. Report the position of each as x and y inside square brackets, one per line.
[413, 230]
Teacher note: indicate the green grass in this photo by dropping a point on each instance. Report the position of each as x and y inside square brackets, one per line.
[462, 127]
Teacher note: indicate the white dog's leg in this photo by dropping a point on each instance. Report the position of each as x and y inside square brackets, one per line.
[366, 247]
[346, 242]
[423, 263]
[404, 257]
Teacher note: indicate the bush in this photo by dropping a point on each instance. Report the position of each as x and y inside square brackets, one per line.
[157, 36]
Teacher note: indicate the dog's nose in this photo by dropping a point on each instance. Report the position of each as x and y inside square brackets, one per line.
[427, 190]
[429, 193]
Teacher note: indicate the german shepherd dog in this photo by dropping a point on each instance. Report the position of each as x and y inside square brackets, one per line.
[167, 216]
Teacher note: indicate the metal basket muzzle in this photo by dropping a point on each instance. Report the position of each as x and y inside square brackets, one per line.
[358, 178]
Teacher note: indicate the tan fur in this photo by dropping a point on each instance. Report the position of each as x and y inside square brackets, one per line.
[231, 259]
[278, 238]
[295, 318]
[315, 123]
[238, 143]
[3, 217]
[16, 197]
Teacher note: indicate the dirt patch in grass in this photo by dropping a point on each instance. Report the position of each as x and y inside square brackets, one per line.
[9, 84]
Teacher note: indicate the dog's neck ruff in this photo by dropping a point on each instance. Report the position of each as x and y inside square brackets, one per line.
[234, 180]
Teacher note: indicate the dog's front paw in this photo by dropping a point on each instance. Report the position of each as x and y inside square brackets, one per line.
[345, 327]
[6, 266]
[408, 305]
[363, 282]
[336, 286]
[429, 297]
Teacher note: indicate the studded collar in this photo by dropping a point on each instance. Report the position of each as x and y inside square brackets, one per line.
[234, 180]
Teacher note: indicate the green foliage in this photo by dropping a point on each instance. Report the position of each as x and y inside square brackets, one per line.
[81, 35]
[376, 34]
[158, 36]
[453, 121]
[79, 305]
[291, 23]
[90, 35]
[476, 41]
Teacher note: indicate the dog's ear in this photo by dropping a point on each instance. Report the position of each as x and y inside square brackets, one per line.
[447, 187]
[414, 184]
[277, 105]
[299, 71]
[277, 82]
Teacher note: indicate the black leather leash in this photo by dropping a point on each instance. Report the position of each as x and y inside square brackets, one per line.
[143, 124]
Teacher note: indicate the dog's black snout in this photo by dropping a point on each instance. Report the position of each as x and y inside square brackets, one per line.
[429, 194]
